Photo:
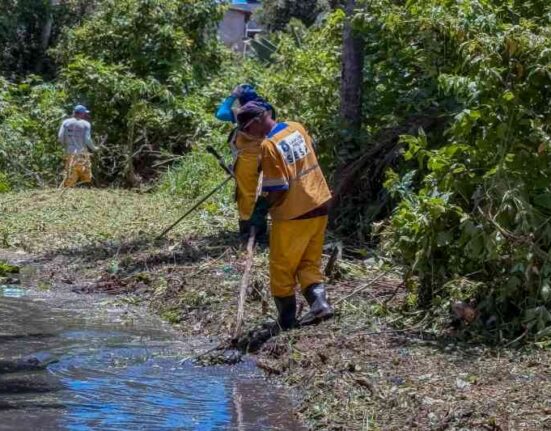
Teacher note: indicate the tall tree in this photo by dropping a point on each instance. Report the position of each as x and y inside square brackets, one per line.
[351, 79]
[46, 35]
[276, 14]
[29, 28]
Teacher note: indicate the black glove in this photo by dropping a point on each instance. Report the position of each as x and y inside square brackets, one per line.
[259, 218]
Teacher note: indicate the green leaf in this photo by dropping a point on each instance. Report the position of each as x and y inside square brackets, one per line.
[444, 238]
[543, 200]
[508, 96]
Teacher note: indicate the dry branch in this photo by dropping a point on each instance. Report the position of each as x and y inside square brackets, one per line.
[361, 180]
[245, 284]
[361, 288]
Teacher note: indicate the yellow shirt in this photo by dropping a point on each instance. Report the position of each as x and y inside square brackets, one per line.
[247, 173]
[247, 145]
[289, 163]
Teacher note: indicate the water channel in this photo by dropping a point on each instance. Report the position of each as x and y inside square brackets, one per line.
[81, 362]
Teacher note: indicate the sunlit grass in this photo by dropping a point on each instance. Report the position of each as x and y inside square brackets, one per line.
[46, 220]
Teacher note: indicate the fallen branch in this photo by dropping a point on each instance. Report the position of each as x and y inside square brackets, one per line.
[335, 254]
[365, 286]
[391, 297]
[516, 340]
[360, 181]
[220, 346]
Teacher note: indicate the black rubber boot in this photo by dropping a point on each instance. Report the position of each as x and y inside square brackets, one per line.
[244, 231]
[319, 307]
[287, 310]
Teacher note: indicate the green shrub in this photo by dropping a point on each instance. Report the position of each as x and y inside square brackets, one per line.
[137, 64]
[477, 211]
[30, 116]
[4, 183]
[276, 14]
[140, 66]
[196, 175]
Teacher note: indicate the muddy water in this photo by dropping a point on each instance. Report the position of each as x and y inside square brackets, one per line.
[68, 363]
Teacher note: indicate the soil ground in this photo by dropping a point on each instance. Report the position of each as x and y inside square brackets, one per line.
[370, 368]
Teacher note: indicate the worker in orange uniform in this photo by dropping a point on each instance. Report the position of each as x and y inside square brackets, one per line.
[75, 136]
[298, 198]
[252, 207]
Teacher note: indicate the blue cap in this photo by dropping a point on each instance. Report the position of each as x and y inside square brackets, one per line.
[248, 94]
[81, 109]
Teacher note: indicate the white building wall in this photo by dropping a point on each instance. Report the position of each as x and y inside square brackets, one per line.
[232, 29]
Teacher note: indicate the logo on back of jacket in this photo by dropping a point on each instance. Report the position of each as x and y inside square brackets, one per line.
[74, 131]
[293, 148]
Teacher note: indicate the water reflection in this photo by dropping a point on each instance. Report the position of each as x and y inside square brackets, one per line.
[11, 292]
[69, 365]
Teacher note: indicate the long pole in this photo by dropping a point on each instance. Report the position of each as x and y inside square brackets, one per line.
[231, 176]
[197, 205]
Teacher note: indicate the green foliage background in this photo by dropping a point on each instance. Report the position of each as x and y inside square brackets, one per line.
[472, 199]
[137, 64]
[21, 26]
[473, 218]
[472, 213]
[276, 14]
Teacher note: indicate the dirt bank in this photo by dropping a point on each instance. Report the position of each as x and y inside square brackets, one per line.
[368, 368]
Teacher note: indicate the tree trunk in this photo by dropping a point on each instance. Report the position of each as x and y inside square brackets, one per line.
[351, 79]
[351, 99]
[45, 36]
[129, 171]
[46, 33]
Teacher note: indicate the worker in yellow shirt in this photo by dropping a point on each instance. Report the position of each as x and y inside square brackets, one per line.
[251, 205]
[298, 198]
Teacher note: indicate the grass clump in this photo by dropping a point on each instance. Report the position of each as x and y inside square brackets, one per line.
[172, 316]
[194, 177]
[6, 268]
